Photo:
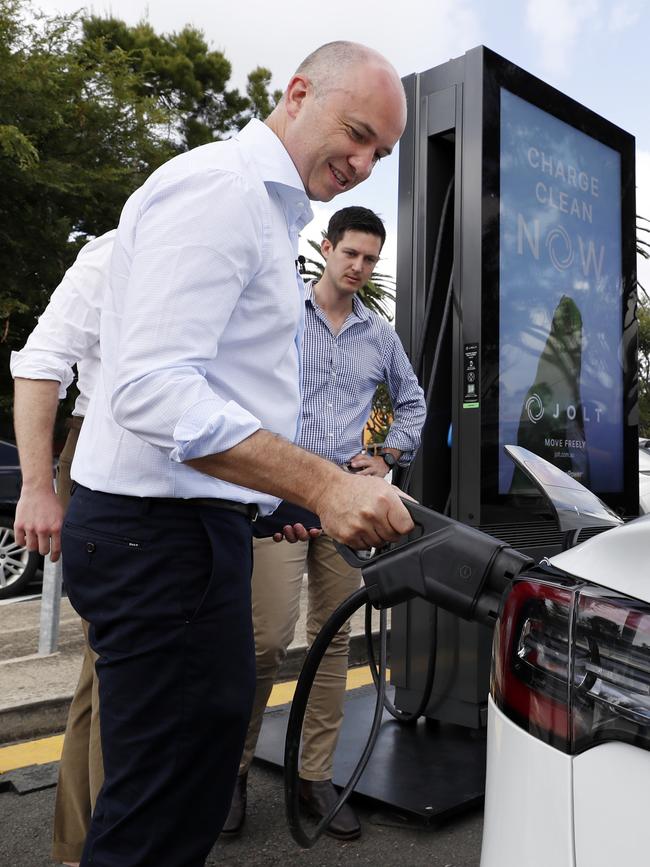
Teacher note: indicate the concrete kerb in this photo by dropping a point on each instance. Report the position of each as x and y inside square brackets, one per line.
[34, 720]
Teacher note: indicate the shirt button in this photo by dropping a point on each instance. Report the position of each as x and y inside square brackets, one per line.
[330, 405]
[90, 547]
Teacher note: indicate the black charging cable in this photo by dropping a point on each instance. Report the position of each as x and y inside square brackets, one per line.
[297, 716]
[403, 476]
[433, 279]
[403, 716]
[417, 567]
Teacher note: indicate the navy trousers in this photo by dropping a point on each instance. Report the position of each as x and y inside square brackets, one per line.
[165, 586]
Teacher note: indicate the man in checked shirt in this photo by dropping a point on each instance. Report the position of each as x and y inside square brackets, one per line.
[347, 352]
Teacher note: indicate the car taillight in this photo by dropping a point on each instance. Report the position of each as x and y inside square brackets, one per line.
[571, 662]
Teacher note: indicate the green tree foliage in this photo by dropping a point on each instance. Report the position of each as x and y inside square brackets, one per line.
[378, 294]
[88, 109]
[186, 80]
[75, 142]
[262, 102]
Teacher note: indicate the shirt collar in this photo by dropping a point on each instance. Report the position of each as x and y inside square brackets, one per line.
[276, 167]
[359, 309]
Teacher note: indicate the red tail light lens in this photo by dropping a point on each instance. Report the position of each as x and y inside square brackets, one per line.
[571, 662]
[531, 658]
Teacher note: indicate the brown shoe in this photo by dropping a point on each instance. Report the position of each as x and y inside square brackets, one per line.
[318, 797]
[235, 819]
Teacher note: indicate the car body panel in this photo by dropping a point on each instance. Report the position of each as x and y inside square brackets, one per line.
[618, 559]
[612, 805]
[544, 807]
[528, 799]
[536, 796]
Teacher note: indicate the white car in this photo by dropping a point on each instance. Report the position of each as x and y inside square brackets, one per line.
[568, 768]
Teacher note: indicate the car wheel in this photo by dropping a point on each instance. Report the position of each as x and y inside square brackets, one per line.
[18, 566]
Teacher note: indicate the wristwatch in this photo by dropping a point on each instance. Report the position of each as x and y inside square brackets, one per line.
[389, 459]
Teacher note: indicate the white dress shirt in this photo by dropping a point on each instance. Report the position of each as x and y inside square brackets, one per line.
[67, 333]
[201, 322]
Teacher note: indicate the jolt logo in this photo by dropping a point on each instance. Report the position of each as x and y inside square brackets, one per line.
[534, 408]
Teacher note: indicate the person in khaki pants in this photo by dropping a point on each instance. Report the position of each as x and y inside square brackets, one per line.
[81, 772]
[347, 351]
[67, 333]
[277, 581]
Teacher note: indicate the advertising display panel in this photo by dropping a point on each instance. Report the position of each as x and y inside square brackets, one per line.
[560, 298]
[558, 329]
[516, 300]
[517, 289]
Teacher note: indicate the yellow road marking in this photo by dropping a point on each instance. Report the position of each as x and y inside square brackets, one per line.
[44, 750]
[38, 752]
[283, 692]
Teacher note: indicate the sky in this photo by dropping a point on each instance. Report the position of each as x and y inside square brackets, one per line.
[596, 51]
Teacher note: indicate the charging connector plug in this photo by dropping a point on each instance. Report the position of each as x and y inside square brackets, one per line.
[445, 562]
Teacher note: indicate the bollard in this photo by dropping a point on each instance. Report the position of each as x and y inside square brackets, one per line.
[50, 607]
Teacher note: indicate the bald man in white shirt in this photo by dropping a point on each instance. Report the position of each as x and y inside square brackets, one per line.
[189, 434]
[66, 336]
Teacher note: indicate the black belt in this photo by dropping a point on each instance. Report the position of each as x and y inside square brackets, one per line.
[248, 509]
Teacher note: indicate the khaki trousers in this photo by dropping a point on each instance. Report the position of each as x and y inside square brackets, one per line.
[81, 771]
[278, 570]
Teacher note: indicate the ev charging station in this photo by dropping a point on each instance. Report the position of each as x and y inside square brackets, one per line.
[516, 304]
[516, 297]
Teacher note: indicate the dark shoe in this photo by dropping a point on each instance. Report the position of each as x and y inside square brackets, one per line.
[318, 797]
[235, 819]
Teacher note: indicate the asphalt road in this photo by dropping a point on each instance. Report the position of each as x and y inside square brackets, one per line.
[387, 840]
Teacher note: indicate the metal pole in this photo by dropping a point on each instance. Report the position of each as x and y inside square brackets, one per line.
[50, 607]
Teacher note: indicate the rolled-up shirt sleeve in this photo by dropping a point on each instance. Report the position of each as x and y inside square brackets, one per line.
[193, 249]
[69, 326]
[409, 408]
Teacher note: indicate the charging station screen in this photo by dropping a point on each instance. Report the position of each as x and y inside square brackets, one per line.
[560, 302]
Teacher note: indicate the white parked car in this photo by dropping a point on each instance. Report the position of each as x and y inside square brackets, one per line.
[568, 769]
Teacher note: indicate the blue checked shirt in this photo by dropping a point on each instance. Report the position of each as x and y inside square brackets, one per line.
[340, 373]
